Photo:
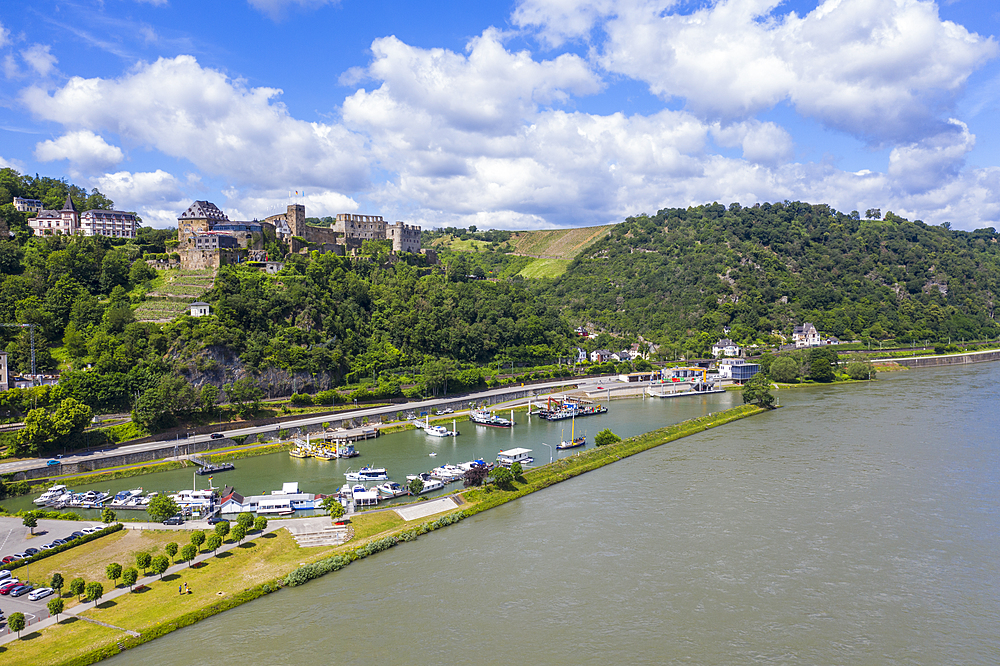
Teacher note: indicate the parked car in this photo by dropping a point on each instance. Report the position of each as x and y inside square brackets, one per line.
[174, 520]
[90, 530]
[9, 585]
[213, 520]
[21, 589]
[77, 535]
[20, 556]
[31, 551]
[217, 435]
[4, 574]
[50, 463]
[40, 593]
[9, 559]
[48, 546]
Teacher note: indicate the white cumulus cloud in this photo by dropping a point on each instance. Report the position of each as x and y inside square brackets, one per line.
[220, 125]
[930, 163]
[157, 196]
[40, 59]
[86, 151]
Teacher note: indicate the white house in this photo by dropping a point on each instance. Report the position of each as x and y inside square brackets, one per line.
[623, 355]
[725, 347]
[200, 309]
[806, 335]
[600, 356]
[581, 355]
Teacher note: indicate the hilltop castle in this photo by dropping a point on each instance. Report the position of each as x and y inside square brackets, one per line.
[208, 238]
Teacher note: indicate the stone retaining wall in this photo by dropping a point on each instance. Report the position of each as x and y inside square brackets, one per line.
[951, 359]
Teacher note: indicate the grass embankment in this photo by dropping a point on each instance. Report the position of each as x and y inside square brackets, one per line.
[545, 268]
[255, 568]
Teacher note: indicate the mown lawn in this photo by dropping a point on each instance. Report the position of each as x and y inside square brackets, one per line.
[71, 637]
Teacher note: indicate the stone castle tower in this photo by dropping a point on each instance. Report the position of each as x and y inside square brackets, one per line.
[296, 217]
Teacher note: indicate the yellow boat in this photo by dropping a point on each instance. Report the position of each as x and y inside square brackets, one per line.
[325, 454]
[299, 453]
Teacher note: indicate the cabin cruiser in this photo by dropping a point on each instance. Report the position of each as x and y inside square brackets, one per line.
[466, 466]
[431, 485]
[447, 473]
[50, 495]
[391, 489]
[368, 474]
[362, 496]
[487, 418]
[439, 431]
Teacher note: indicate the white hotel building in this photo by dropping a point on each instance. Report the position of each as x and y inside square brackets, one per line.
[113, 223]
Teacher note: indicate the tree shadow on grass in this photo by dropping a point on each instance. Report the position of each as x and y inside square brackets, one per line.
[248, 544]
[269, 535]
[32, 636]
[225, 554]
[140, 589]
[170, 577]
[70, 620]
[107, 604]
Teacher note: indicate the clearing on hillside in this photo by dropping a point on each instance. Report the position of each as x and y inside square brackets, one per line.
[563, 244]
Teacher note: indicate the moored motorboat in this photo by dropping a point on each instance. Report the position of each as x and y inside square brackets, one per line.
[368, 474]
[391, 489]
[487, 418]
[439, 431]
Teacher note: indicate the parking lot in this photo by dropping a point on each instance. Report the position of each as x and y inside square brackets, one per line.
[14, 538]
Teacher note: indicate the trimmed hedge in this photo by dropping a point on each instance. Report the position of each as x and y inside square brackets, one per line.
[79, 541]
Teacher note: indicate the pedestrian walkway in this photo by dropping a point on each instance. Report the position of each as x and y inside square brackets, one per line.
[426, 509]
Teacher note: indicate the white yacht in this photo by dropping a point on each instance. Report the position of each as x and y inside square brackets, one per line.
[391, 489]
[368, 474]
[447, 472]
[50, 495]
[439, 431]
[432, 485]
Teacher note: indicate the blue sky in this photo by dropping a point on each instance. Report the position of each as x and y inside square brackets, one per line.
[525, 114]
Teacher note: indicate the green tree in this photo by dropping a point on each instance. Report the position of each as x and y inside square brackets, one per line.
[113, 572]
[333, 507]
[213, 542]
[222, 529]
[821, 364]
[860, 370]
[130, 576]
[57, 583]
[245, 520]
[143, 560]
[188, 553]
[56, 606]
[159, 565]
[208, 398]
[94, 591]
[238, 533]
[161, 507]
[245, 397]
[606, 438]
[16, 623]
[30, 521]
[503, 478]
[260, 523]
[416, 486]
[171, 549]
[108, 516]
[77, 587]
[784, 369]
[516, 470]
[197, 538]
[758, 391]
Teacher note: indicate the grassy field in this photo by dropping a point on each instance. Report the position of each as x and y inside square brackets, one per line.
[563, 244]
[545, 268]
[148, 610]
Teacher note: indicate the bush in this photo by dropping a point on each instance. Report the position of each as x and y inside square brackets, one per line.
[301, 399]
[606, 437]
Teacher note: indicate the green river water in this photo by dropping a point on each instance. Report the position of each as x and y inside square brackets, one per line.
[856, 525]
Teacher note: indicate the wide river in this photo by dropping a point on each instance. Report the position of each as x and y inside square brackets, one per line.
[856, 525]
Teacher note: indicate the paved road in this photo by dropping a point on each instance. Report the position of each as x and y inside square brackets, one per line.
[373, 413]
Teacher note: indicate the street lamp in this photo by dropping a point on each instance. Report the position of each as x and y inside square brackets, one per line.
[550, 451]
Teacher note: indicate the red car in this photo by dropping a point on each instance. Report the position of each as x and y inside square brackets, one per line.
[9, 585]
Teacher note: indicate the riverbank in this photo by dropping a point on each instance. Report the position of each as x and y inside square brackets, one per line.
[374, 532]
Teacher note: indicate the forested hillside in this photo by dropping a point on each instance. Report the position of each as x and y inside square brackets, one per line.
[681, 275]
